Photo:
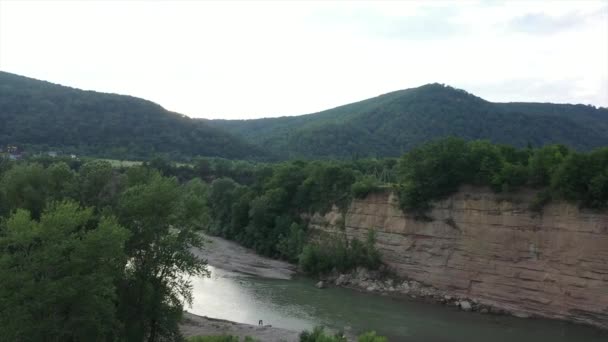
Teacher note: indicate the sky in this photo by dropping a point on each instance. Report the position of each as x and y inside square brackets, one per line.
[241, 60]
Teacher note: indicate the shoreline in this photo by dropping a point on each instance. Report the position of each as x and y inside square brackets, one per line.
[230, 256]
[195, 325]
[374, 282]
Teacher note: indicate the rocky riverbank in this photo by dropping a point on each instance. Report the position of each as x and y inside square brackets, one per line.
[379, 282]
[230, 256]
[476, 244]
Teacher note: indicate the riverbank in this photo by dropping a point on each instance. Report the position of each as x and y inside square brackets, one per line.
[194, 325]
[230, 256]
[296, 305]
[375, 282]
[233, 257]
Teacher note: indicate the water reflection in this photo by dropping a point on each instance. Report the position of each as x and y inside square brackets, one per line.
[298, 305]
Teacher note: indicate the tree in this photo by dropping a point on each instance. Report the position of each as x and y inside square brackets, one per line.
[25, 186]
[62, 181]
[58, 275]
[544, 162]
[432, 171]
[163, 218]
[95, 184]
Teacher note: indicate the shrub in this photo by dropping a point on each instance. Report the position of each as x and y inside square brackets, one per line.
[340, 254]
[319, 335]
[364, 187]
[371, 337]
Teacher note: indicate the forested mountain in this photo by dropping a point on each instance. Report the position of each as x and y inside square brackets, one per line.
[390, 124]
[45, 116]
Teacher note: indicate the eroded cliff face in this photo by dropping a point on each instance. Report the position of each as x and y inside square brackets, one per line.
[493, 249]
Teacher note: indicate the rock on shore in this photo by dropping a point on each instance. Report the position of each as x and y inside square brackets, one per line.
[373, 281]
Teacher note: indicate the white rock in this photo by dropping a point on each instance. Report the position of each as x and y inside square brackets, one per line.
[465, 306]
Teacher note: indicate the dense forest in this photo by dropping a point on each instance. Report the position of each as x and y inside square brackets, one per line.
[41, 116]
[38, 116]
[89, 252]
[391, 124]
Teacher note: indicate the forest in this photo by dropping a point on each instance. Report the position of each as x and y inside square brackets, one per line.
[89, 252]
[39, 117]
[391, 124]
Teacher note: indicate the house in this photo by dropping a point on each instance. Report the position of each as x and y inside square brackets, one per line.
[14, 153]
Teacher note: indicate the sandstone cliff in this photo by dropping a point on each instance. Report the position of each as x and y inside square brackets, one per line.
[492, 248]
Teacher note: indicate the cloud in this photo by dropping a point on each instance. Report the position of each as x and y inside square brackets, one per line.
[402, 21]
[540, 23]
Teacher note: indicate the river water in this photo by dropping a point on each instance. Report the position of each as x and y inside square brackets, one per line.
[297, 305]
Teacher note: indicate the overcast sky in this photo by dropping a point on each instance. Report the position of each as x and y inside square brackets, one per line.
[258, 59]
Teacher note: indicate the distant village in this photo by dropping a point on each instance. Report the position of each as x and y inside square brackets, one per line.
[14, 152]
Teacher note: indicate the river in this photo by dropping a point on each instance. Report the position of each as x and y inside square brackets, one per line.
[296, 304]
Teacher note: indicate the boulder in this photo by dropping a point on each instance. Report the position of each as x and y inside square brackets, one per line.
[465, 306]
[341, 280]
[320, 285]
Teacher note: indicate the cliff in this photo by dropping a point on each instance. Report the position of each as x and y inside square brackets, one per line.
[493, 249]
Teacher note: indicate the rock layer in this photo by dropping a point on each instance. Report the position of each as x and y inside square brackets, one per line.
[492, 248]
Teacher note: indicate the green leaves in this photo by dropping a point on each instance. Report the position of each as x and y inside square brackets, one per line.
[437, 169]
[336, 252]
[58, 274]
[164, 219]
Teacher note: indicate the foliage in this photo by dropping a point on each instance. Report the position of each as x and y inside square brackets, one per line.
[583, 178]
[394, 123]
[340, 254]
[365, 186]
[164, 219]
[25, 187]
[42, 116]
[103, 253]
[371, 337]
[115, 270]
[58, 275]
[319, 335]
[436, 170]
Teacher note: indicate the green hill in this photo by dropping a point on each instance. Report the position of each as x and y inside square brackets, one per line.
[42, 116]
[393, 123]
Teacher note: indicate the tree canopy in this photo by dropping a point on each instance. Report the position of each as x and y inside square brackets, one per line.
[41, 116]
[394, 123]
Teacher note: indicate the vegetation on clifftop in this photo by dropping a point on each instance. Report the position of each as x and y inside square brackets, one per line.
[436, 170]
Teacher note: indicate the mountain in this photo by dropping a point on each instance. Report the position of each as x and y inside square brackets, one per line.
[43, 116]
[390, 124]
